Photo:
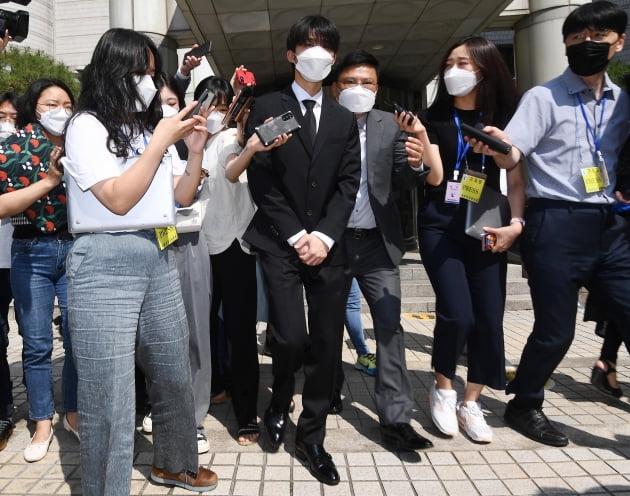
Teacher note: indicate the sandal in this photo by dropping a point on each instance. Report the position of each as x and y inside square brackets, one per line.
[599, 379]
[250, 429]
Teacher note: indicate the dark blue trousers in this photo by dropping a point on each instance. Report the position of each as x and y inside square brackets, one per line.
[567, 245]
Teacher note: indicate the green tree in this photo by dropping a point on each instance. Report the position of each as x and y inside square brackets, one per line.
[617, 70]
[19, 67]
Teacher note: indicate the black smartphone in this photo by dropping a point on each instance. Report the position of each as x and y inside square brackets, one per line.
[283, 124]
[402, 111]
[200, 51]
[205, 99]
[239, 105]
[476, 132]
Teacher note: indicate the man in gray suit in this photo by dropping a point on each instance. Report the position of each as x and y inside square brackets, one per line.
[374, 240]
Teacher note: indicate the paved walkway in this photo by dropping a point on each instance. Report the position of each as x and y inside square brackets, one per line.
[597, 460]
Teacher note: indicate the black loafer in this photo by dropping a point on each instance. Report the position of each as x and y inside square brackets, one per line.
[534, 424]
[318, 462]
[403, 437]
[275, 425]
[599, 379]
[336, 406]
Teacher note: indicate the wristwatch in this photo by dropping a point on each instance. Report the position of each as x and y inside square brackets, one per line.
[517, 219]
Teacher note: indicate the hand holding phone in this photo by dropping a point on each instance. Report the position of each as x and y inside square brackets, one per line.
[476, 132]
[402, 111]
[245, 77]
[282, 124]
[200, 51]
[205, 99]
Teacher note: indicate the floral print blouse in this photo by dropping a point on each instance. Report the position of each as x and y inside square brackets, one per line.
[24, 159]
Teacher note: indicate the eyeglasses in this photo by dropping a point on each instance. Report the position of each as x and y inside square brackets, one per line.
[597, 35]
[351, 83]
[55, 106]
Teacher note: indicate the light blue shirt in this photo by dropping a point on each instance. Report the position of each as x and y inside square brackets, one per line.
[550, 131]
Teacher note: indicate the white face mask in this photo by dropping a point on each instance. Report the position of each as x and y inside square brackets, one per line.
[460, 82]
[214, 122]
[357, 99]
[54, 121]
[168, 111]
[314, 64]
[6, 130]
[147, 91]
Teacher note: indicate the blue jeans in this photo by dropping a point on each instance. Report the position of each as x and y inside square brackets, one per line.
[125, 304]
[353, 320]
[38, 273]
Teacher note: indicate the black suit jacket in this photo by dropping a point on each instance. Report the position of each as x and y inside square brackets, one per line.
[300, 186]
[387, 167]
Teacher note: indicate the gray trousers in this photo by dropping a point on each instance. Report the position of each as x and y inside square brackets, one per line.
[195, 276]
[379, 280]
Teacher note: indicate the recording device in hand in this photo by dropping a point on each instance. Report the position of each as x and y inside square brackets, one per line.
[15, 22]
[245, 77]
[239, 105]
[402, 111]
[200, 51]
[476, 132]
[282, 124]
[205, 99]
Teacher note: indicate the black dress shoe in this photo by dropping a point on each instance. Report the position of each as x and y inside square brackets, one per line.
[319, 463]
[403, 437]
[336, 406]
[275, 425]
[534, 424]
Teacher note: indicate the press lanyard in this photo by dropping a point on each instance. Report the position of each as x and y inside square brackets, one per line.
[596, 133]
[462, 148]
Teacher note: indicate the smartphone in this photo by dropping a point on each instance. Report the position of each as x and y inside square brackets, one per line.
[401, 111]
[200, 51]
[476, 132]
[488, 240]
[239, 105]
[283, 124]
[205, 99]
[246, 78]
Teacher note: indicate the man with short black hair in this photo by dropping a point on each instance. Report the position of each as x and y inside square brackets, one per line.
[374, 239]
[570, 130]
[305, 191]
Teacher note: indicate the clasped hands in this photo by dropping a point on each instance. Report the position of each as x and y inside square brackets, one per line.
[311, 249]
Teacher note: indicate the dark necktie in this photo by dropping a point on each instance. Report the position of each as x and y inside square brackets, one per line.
[310, 125]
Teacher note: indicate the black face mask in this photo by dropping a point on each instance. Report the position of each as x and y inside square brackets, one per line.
[588, 58]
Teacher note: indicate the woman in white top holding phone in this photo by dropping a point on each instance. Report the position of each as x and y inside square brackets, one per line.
[124, 298]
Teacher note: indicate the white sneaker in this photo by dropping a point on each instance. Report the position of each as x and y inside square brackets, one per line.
[443, 403]
[203, 446]
[147, 423]
[470, 418]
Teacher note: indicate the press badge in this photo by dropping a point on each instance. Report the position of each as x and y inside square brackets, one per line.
[166, 236]
[453, 192]
[473, 183]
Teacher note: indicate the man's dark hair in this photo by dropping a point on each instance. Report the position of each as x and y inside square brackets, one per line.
[599, 15]
[356, 57]
[28, 102]
[315, 28]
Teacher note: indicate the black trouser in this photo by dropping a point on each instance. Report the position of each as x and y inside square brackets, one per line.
[316, 347]
[469, 287]
[234, 291]
[565, 246]
[6, 395]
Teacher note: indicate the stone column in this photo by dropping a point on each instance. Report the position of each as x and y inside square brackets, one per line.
[538, 44]
[150, 17]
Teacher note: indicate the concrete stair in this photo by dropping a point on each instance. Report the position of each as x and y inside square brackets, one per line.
[418, 295]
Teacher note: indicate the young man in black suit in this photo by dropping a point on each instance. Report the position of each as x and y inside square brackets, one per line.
[374, 238]
[305, 191]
